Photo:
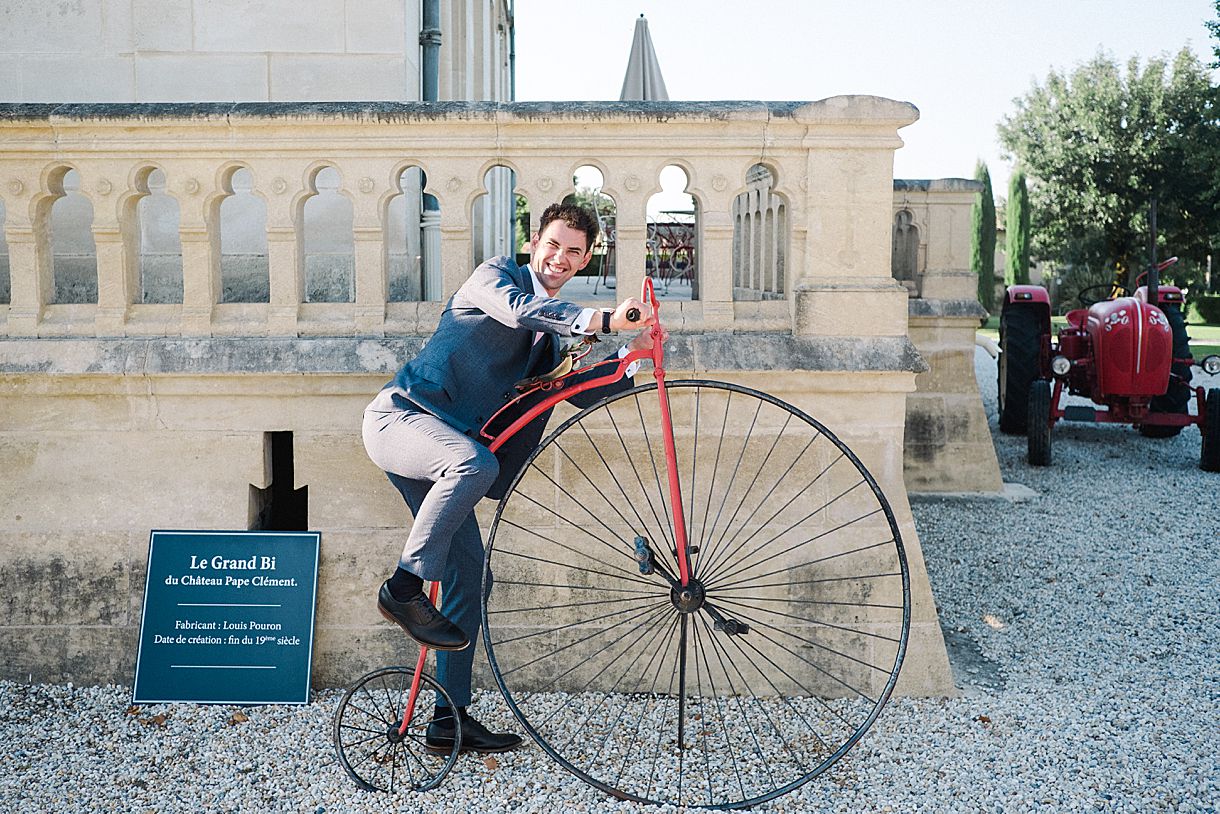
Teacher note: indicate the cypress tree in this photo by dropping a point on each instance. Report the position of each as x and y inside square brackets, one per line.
[982, 250]
[1017, 238]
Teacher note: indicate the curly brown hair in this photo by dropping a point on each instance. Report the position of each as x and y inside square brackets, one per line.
[575, 216]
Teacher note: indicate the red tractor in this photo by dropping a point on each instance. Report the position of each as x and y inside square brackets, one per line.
[1129, 354]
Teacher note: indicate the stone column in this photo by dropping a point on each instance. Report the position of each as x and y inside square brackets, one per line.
[631, 232]
[117, 245]
[371, 259]
[29, 256]
[714, 259]
[285, 264]
[199, 232]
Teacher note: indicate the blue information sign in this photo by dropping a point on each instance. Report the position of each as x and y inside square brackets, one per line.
[228, 617]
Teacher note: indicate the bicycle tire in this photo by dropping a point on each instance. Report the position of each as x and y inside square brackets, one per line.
[826, 619]
[366, 736]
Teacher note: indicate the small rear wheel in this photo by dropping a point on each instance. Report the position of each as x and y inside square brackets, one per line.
[371, 748]
[1020, 338]
[1209, 457]
[1039, 429]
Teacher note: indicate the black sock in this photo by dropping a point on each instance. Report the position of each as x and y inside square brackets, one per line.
[445, 713]
[404, 585]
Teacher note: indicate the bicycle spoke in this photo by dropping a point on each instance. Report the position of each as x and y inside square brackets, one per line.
[661, 524]
[810, 641]
[750, 488]
[570, 644]
[777, 513]
[736, 468]
[571, 549]
[763, 501]
[806, 564]
[840, 527]
[673, 537]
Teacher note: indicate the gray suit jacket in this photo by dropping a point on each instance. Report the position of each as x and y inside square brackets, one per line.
[483, 345]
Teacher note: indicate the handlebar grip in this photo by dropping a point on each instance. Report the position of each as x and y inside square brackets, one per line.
[633, 314]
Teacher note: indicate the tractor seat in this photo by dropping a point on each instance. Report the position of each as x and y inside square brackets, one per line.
[1078, 318]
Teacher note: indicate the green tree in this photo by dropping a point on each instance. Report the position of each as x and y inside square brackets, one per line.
[1017, 230]
[1213, 27]
[982, 250]
[1100, 142]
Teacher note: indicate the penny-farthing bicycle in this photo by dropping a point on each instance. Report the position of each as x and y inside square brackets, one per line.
[701, 595]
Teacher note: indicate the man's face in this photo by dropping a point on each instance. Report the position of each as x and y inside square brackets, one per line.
[557, 254]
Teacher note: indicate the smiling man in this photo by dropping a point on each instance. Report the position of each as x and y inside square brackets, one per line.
[503, 325]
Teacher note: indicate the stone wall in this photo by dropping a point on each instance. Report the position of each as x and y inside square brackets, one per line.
[234, 50]
[121, 415]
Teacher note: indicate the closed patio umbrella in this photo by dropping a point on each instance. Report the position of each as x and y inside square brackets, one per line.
[643, 81]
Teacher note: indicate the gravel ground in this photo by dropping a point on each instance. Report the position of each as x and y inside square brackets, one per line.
[1081, 622]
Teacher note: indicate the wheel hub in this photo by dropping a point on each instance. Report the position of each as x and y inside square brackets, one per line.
[688, 599]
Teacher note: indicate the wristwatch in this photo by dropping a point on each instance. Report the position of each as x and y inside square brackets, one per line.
[606, 321]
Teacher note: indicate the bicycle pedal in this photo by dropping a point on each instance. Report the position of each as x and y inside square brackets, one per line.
[731, 627]
[643, 555]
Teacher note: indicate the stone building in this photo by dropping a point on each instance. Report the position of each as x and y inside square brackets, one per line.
[163, 362]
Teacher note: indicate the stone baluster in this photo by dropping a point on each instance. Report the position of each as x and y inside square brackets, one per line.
[285, 251]
[369, 203]
[631, 229]
[199, 231]
[27, 231]
[116, 246]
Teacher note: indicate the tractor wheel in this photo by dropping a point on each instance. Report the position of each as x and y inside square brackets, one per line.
[1209, 457]
[1178, 395]
[1020, 352]
[1039, 424]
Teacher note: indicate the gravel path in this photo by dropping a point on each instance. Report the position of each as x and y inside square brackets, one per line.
[1082, 625]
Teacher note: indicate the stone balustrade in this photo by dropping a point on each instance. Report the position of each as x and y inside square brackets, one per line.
[831, 162]
[126, 414]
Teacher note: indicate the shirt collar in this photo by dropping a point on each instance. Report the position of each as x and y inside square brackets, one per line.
[538, 289]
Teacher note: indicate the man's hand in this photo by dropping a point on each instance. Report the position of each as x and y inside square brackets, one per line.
[619, 321]
[643, 340]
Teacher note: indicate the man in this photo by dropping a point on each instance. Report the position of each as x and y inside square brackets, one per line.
[503, 325]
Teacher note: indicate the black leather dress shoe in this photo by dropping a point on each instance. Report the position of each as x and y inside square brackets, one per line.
[475, 737]
[423, 622]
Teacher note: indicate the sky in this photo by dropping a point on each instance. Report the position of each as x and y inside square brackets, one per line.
[961, 62]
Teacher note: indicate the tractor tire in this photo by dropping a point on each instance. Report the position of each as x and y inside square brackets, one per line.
[1019, 364]
[1039, 422]
[1177, 397]
[1209, 456]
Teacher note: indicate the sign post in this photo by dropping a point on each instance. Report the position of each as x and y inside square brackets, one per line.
[228, 617]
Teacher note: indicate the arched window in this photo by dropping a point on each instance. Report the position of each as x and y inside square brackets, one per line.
[672, 252]
[904, 259]
[329, 242]
[73, 254]
[160, 247]
[244, 271]
[760, 238]
[413, 240]
[597, 280]
[491, 216]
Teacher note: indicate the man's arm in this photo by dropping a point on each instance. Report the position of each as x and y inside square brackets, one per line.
[493, 289]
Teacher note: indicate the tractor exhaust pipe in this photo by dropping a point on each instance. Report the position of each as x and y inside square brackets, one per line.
[1154, 274]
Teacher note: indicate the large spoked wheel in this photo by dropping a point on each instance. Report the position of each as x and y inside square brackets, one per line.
[758, 675]
[371, 749]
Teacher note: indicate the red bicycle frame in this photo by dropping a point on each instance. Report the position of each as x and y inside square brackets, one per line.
[564, 389]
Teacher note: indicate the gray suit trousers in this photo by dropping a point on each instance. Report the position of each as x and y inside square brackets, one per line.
[415, 445]
[441, 474]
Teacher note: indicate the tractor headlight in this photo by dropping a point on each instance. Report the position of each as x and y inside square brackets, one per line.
[1211, 364]
[1060, 365]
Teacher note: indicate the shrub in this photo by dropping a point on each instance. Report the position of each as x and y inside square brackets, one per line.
[1208, 306]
